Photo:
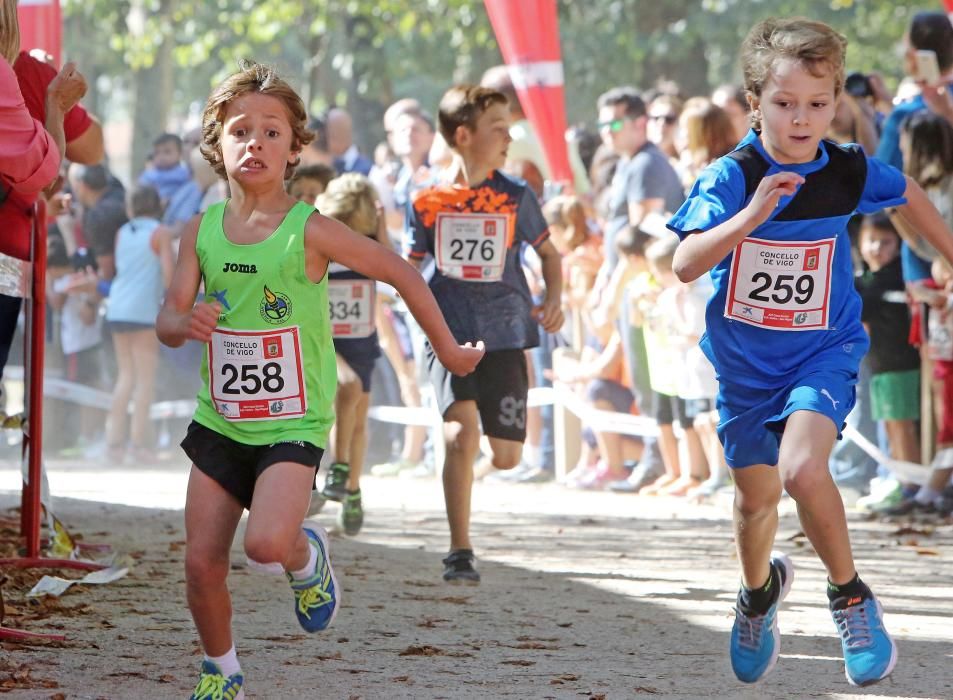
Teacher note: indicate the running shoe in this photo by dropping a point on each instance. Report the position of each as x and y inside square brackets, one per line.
[869, 652]
[317, 503]
[458, 567]
[912, 507]
[213, 685]
[335, 486]
[316, 597]
[352, 514]
[884, 494]
[755, 640]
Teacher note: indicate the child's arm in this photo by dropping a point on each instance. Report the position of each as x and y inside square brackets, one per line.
[330, 239]
[923, 217]
[180, 318]
[697, 254]
[549, 314]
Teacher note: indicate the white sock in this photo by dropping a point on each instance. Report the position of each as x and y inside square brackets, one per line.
[227, 663]
[308, 570]
[532, 455]
[925, 496]
[943, 458]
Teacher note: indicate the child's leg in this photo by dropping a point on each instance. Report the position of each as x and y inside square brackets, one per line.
[358, 442]
[757, 493]
[345, 403]
[534, 419]
[145, 356]
[406, 371]
[904, 440]
[462, 433]
[211, 517]
[125, 378]
[279, 504]
[803, 463]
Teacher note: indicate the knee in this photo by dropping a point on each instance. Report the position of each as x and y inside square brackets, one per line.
[507, 459]
[203, 569]
[349, 390]
[805, 477]
[266, 548]
[759, 503]
[462, 437]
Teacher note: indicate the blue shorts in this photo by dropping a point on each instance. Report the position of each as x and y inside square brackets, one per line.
[751, 421]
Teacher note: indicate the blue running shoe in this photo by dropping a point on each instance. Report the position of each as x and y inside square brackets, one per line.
[214, 686]
[316, 597]
[755, 641]
[869, 652]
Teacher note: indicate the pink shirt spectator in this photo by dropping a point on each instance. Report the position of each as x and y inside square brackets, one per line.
[29, 159]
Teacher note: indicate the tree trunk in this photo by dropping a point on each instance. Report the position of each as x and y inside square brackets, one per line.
[365, 113]
[152, 94]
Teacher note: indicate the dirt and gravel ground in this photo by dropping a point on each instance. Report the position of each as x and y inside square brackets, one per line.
[584, 595]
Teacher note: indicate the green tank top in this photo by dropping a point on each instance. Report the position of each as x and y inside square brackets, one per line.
[269, 374]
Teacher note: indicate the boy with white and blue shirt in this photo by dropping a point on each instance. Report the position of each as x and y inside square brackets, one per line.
[783, 327]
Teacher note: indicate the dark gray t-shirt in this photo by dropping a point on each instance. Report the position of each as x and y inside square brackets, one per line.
[646, 175]
[499, 313]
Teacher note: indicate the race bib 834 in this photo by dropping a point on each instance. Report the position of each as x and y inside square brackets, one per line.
[352, 307]
[781, 285]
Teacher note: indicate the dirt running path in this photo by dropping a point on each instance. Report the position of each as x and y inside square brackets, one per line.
[583, 596]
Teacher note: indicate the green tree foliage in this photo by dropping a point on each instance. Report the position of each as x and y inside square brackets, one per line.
[363, 54]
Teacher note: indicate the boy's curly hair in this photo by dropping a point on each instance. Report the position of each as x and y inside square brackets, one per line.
[815, 45]
[252, 78]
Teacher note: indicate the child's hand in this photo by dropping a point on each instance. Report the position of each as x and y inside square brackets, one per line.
[549, 315]
[462, 359]
[769, 193]
[203, 320]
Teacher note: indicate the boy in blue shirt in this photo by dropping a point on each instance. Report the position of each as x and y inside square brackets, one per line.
[784, 330]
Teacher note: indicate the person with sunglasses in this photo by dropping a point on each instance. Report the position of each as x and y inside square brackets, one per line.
[644, 181]
[663, 114]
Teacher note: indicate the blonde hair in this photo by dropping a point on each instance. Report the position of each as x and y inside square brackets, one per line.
[568, 213]
[816, 46]
[9, 31]
[252, 78]
[352, 200]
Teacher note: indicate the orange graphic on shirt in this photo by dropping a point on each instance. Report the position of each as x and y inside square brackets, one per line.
[484, 199]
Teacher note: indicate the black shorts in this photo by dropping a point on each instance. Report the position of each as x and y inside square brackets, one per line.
[236, 466]
[666, 410]
[363, 367]
[499, 385]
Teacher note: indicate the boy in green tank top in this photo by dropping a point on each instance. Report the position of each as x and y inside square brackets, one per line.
[266, 403]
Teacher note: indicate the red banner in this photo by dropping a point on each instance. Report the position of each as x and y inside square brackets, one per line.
[41, 27]
[528, 34]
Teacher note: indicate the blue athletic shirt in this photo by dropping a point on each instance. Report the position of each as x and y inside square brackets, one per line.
[840, 182]
[490, 223]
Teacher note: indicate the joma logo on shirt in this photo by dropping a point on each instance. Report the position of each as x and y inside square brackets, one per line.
[242, 267]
